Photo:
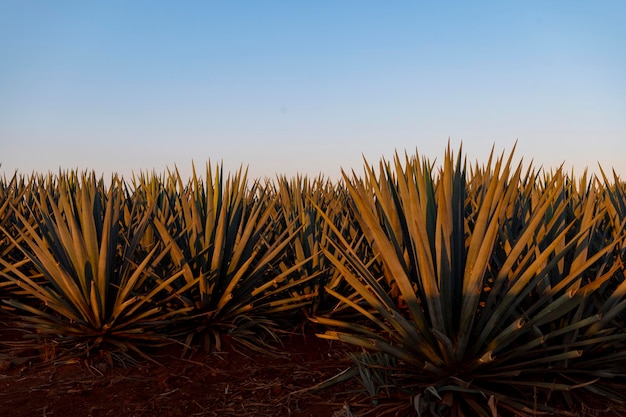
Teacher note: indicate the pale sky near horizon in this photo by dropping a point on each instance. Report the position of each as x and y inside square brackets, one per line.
[308, 87]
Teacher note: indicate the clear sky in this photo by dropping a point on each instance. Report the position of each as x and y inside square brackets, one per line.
[288, 87]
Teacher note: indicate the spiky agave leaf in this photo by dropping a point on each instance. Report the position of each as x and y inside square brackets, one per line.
[477, 305]
[94, 291]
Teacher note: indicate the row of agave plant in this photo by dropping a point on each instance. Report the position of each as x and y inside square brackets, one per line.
[473, 289]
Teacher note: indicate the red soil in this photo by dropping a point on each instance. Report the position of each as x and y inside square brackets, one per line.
[235, 382]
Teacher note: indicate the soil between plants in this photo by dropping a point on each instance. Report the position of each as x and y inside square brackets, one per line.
[233, 382]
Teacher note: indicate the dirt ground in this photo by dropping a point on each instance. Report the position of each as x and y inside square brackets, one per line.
[234, 382]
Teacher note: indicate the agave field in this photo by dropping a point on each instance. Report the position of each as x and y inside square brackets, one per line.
[456, 288]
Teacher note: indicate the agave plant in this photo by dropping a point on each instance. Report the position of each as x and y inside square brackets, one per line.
[614, 297]
[299, 203]
[223, 243]
[10, 193]
[484, 299]
[95, 291]
[17, 195]
[152, 192]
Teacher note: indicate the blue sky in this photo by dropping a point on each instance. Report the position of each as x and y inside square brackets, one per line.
[308, 87]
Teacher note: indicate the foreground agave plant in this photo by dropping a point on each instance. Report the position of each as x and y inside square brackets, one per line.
[94, 291]
[484, 304]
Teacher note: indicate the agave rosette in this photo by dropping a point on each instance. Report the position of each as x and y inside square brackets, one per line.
[223, 243]
[484, 295]
[95, 291]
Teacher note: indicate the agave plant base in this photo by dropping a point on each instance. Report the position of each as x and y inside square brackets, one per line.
[116, 347]
[253, 332]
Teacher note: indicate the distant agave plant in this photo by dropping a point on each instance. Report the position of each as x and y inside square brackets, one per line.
[300, 202]
[151, 192]
[485, 297]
